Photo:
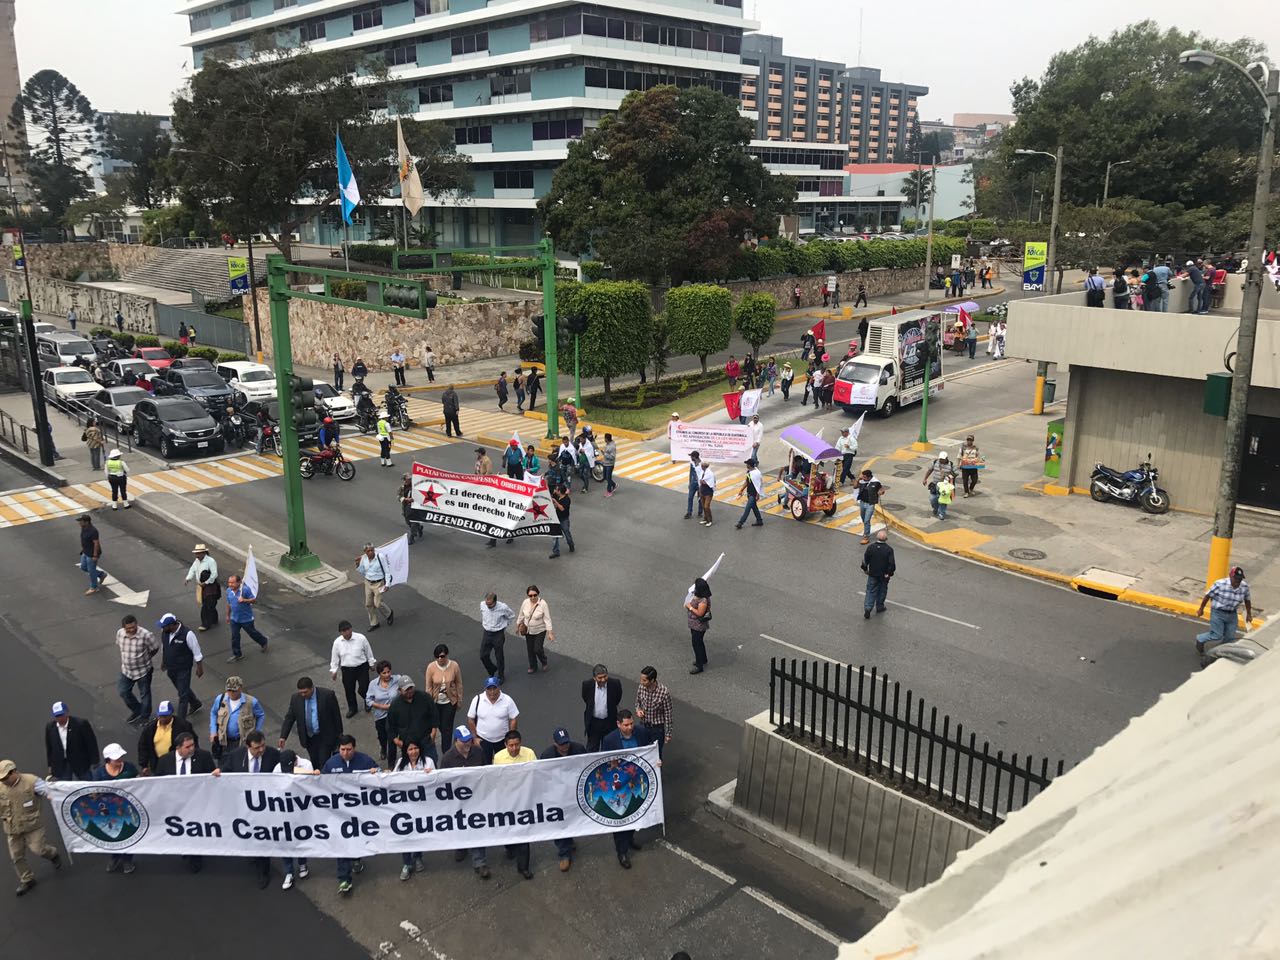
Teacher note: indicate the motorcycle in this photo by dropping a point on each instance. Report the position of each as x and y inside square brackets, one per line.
[233, 429]
[397, 408]
[271, 438]
[1137, 485]
[367, 417]
[327, 462]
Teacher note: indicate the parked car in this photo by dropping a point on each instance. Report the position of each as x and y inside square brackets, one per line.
[175, 425]
[203, 386]
[191, 363]
[106, 348]
[117, 373]
[254, 407]
[64, 350]
[63, 384]
[249, 380]
[336, 405]
[115, 405]
[158, 357]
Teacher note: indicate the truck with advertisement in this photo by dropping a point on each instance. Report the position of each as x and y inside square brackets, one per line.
[890, 373]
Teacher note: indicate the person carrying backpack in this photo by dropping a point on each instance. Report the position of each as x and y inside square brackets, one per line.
[1152, 291]
[1120, 290]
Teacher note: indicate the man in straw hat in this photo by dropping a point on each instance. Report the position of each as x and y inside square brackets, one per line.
[206, 592]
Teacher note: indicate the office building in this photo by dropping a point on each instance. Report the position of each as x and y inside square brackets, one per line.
[820, 101]
[518, 80]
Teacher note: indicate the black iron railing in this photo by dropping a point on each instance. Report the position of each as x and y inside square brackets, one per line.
[868, 722]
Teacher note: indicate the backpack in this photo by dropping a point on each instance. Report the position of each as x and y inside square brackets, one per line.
[1151, 285]
[1120, 288]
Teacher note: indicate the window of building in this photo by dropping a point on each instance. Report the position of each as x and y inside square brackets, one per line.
[464, 135]
[435, 93]
[506, 84]
[401, 54]
[513, 179]
[422, 8]
[366, 18]
[200, 21]
[240, 11]
[471, 43]
[281, 4]
[557, 129]
[311, 30]
[729, 3]
[554, 28]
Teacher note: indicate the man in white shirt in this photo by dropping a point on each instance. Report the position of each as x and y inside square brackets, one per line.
[757, 435]
[753, 487]
[353, 656]
[707, 493]
[848, 448]
[490, 716]
[203, 563]
[397, 366]
[370, 566]
[495, 617]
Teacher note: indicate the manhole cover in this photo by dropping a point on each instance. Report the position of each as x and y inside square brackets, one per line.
[912, 467]
[991, 521]
[1155, 521]
[1026, 553]
[905, 476]
[894, 506]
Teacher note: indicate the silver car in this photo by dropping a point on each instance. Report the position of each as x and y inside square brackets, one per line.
[115, 405]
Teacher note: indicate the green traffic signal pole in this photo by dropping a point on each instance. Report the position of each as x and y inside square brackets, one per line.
[547, 257]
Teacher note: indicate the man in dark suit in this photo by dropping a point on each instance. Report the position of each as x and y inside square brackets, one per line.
[254, 757]
[186, 760]
[163, 722]
[628, 735]
[600, 697]
[319, 721]
[70, 745]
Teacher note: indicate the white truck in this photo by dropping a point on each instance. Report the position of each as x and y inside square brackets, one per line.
[890, 373]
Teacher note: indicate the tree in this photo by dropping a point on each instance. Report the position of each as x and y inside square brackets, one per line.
[258, 137]
[97, 210]
[909, 145]
[664, 191]
[618, 337]
[67, 124]
[915, 187]
[138, 139]
[935, 143]
[183, 219]
[754, 318]
[699, 320]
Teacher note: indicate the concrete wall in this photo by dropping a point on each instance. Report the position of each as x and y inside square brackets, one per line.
[880, 281]
[127, 257]
[858, 822]
[95, 305]
[457, 333]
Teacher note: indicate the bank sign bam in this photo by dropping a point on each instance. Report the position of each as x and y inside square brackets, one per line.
[1034, 258]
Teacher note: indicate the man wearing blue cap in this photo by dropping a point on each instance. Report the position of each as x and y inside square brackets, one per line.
[180, 653]
[70, 745]
[563, 745]
[490, 716]
[465, 753]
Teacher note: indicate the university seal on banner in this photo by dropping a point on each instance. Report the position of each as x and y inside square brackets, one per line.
[106, 816]
[617, 791]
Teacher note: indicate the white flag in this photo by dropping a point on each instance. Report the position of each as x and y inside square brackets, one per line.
[750, 403]
[515, 435]
[688, 597]
[395, 561]
[856, 429]
[250, 578]
[410, 183]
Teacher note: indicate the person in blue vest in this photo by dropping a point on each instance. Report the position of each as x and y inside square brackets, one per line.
[629, 736]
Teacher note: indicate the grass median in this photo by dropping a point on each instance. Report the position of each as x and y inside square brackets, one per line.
[700, 391]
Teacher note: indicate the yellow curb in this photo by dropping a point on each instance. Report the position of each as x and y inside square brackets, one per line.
[957, 538]
[441, 385]
[921, 446]
[1052, 489]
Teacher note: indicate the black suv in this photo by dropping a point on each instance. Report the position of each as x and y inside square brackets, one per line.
[203, 386]
[175, 425]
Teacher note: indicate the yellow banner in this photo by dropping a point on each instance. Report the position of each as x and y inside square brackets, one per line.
[237, 267]
[1035, 254]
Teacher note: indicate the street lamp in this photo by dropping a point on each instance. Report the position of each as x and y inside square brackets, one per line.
[1042, 366]
[1106, 184]
[253, 280]
[1224, 516]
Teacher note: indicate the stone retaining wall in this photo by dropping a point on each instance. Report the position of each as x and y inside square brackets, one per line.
[127, 257]
[95, 305]
[456, 333]
[69, 261]
[880, 281]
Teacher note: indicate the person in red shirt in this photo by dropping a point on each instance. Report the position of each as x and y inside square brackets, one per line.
[733, 370]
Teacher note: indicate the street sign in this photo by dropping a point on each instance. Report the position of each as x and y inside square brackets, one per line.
[955, 261]
[238, 274]
[19, 258]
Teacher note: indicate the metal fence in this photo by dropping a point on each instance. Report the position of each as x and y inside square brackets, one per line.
[224, 333]
[899, 739]
[18, 434]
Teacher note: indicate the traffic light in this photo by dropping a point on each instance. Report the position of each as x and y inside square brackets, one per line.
[576, 320]
[302, 401]
[539, 322]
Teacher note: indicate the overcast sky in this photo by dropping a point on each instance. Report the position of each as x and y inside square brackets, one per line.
[127, 54]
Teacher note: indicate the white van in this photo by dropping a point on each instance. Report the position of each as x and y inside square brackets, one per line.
[249, 380]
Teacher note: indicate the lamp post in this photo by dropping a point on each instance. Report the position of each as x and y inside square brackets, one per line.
[1042, 366]
[1106, 184]
[1224, 516]
[928, 248]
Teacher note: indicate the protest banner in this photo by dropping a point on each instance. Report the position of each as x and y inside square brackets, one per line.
[395, 561]
[749, 406]
[715, 443]
[491, 506]
[365, 814]
[733, 404]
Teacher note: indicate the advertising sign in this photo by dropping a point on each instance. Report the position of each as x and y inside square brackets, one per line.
[238, 274]
[912, 335]
[1034, 257]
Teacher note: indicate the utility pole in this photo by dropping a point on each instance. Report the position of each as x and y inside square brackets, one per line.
[1042, 366]
[547, 255]
[1106, 183]
[44, 439]
[928, 251]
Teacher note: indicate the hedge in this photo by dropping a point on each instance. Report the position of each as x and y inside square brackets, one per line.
[204, 353]
[778, 258]
[230, 357]
[349, 289]
[174, 348]
[371, 253]
[146, 340]
[124, 339]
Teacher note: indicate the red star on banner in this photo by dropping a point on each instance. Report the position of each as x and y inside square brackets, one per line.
[429, 496]
[538, 510]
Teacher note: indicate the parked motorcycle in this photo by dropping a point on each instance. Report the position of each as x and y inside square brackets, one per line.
[327, 462]
[271, 440]
[1131, 486]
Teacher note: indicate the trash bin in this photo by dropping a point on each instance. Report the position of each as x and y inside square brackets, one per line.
[457, 281]
[1050, 390]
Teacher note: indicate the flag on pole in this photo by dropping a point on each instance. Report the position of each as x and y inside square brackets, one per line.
[688, 597]
[820, 331]
[250, 578]
[856, 429]
[347, 187]
[410, 183]
[395, 561]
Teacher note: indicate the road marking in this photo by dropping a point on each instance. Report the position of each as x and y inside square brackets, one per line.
[930, 613]
[698, 862]
[804, 650]
[798, 919]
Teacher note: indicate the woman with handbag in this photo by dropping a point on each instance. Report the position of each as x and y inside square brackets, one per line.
[699, 609]
[534, 624]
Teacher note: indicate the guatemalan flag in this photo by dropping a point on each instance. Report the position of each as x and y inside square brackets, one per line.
[347, 187]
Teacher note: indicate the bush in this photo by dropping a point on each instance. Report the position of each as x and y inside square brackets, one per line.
[204, 353]
[779, 257]
[371, 253]
[595, 270]
[645, 395]
[700, 318]
[754, 318]
[349, 289]
[618, 336]
[146, 340]
[174, 348]
[228, 357]
[124, 339]
[101, 332]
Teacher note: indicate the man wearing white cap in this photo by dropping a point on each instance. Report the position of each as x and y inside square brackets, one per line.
[70, 745]
[941, 467]
[23, 828]
[202, 564]
[116, 767]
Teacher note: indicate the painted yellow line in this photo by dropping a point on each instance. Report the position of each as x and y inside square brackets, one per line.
[12, 514]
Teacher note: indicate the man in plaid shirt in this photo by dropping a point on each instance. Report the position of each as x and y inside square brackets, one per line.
[1227, 594]
[653, 707]
[138, 647]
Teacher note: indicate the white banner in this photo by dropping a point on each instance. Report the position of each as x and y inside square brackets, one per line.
[361, 815]
[490, 506]
[750, 402]
[250, 578]
[395, 561]
[715, 442]
[856, 430]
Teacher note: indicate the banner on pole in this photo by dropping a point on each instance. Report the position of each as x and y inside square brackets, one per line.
[715, 443]
[362, 815]
[238, 274]
[1034, 257]
[395, 561]
[750, 404]
[250, 578]
[491, 506]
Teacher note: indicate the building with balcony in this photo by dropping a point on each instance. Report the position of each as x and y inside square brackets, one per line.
[517, 79]
[824, 102]
[1148, 382]
[827, 200]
